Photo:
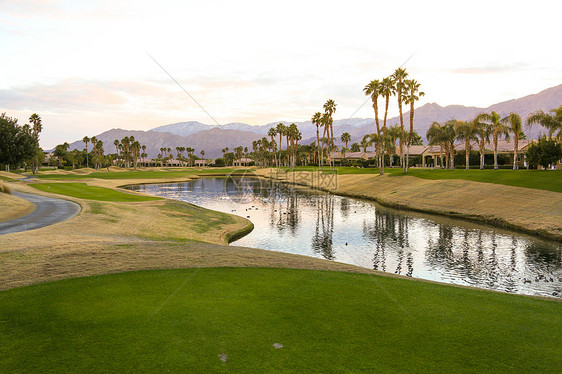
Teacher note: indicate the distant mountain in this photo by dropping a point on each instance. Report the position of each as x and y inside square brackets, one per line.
[213, 139]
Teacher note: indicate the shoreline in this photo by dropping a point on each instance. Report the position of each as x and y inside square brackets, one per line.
[496, 217]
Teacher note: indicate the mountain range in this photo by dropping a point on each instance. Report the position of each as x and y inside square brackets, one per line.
[213, 138]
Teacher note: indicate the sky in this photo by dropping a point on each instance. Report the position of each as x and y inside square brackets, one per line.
[89, 66]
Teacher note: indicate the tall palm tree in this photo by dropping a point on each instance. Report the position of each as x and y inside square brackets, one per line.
[329, 110]
[37, 125]
[280, 130]
[514, 126]
[484, 131]
[316, 120]
[466, 131]
[399, 77]
[552, 122]
[86, 140]
[498, 130]
[144, 153]
[373, 89]
[411, 95]
[387, 89]
[203, 156]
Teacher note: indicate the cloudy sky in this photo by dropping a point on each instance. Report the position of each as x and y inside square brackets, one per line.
[86, 66]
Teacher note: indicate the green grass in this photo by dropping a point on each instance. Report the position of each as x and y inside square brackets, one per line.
[550, 180]
[83, 191]
[140, 174]
[181, 320]
[339, 169]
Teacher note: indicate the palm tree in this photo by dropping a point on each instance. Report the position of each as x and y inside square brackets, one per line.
[498, 129]
[435, 136]
[393, 133]
[329, 110]
[411, 95]
[484, 131]
[514, 126]
[449, 137]
[143, 155]
[316, 120]
[387, 89]
[365, 142]
[466, 131]
[86, 140]
[280, 130]
[399, 76]
[203, 156]
[373, 89]
[552, 122]
[37, 126]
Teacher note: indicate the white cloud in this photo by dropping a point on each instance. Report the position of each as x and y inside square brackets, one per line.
[261, 62]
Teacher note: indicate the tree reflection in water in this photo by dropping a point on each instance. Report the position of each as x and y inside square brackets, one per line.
[312, 223]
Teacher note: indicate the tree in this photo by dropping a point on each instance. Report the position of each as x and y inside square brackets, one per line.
[36, 127]
[449, 137]
[329, 110]
[17, 143]
[466, 131]
[86, 140]
[203, 156]
[411, 95]
[395, 132]
[373, 89]
[545, 152]
[484, 131]
[552, 122]
[387, 89]
[436, 136]
[514, 126]
[316, 120]
[280, 130]
[355, 147]
[365, 142]
[399, 77]
[498, 129]
[345, 138]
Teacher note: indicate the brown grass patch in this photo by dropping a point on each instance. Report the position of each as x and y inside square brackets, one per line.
[12, 207]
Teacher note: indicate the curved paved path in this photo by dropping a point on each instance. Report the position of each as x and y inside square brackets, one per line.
[49, 211]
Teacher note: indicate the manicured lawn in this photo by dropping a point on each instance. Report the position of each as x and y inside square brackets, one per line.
[141, 174]
[83, 191]
[339, 169]
[182, 320]
[550, 180]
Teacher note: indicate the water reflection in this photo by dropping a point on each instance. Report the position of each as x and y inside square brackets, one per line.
[306, 222]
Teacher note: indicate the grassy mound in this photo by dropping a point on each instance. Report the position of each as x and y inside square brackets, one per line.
[550, 180]
[83, 191]
[187, 320]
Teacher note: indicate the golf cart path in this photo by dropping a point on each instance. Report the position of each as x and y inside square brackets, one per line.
[48, 212]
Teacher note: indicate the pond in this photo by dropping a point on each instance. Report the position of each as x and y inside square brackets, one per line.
[308, 222]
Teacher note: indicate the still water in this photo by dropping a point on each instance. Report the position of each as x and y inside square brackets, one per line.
[307, 222]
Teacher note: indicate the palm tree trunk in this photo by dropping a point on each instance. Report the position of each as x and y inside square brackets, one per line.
[495, 152]
[515, 146]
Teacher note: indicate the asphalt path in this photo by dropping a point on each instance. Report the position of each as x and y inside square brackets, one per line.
[48, 212]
